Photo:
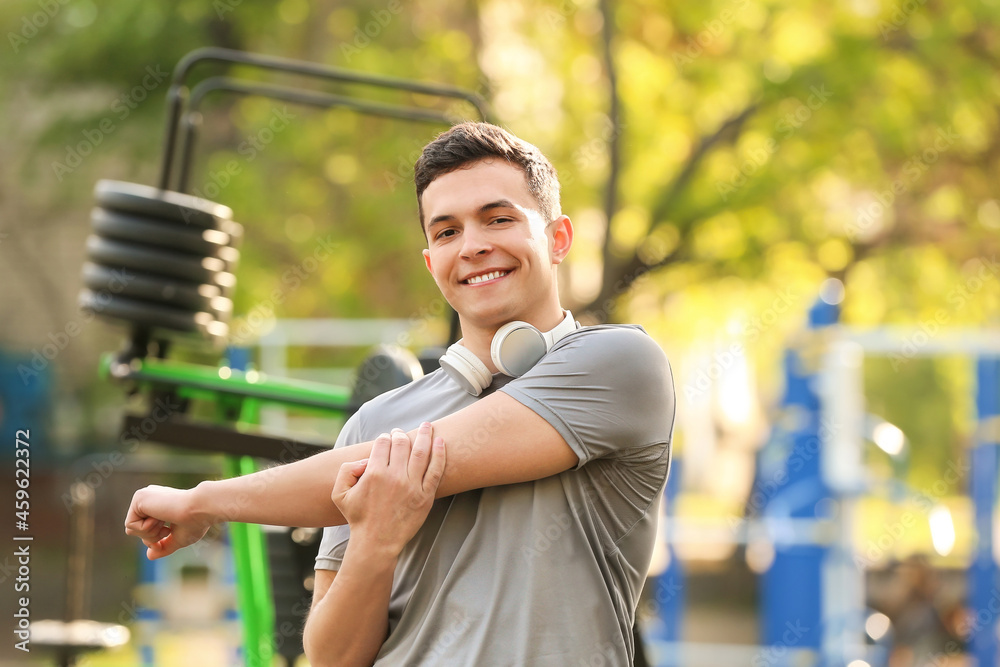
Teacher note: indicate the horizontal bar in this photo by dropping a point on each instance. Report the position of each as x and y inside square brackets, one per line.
[211, 438]
[320, 331]
[316, 70]
[780, 531]
[713, 654]
[927, 341]
[988, 431]
[314, 99]
[176, 97]
[294, 96]
[229, 382]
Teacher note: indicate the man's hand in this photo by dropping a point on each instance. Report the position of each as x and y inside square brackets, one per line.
[165, 520]
[386, 497]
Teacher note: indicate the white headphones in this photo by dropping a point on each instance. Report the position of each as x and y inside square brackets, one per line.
[516, 347]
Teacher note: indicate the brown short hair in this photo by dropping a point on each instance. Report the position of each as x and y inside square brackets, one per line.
[467, 143]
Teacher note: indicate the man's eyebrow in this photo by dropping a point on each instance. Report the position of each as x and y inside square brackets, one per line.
[438, 219]
[500, 203]
[447, 217]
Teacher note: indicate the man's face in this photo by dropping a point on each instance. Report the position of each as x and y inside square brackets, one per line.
[490, 250]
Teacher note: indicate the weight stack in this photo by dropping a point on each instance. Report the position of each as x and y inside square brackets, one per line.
[291, 557]
[161, 261]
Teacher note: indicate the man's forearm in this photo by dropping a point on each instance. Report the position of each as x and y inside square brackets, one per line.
[294, 494]
[494, 441]
[298, 494]
[348, 626]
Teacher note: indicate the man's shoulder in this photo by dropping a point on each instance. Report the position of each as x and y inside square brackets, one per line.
[618, 332]
[425, 385]
[614, 341]
[607, 357]
[405, 407]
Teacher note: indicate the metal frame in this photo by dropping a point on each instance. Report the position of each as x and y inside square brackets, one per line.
[272, 349]
[192, 120]
[238, 397]
[843, 401]
[813, 580]
[177, 94]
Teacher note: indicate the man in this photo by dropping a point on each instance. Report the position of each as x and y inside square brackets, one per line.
[537, 547]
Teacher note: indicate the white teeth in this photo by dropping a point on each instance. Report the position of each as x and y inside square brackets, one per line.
[475, 280]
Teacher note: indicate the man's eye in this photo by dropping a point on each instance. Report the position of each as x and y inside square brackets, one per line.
[444, 233]
[502, 220]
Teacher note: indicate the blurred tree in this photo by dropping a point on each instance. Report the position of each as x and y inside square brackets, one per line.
[717, 158]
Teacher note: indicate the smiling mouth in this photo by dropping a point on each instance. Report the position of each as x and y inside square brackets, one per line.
[493, 275]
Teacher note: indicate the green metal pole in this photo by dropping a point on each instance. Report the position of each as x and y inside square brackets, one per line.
[253, 577]
[234, 391]
[253, 581]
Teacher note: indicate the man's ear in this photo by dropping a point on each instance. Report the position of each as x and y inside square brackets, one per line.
[427, 260]
[562, 238]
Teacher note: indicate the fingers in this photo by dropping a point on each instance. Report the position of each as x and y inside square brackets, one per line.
[379, 458]
[133, 520]
[420, 453]
[152, 531]
[347, 477]
[159, 516]
[156, 534]
[152, 538]
[141, 527]
[349, 473]
[399, 454]
[435, 470]
[138, 523]
[162, 548]
[162, 542]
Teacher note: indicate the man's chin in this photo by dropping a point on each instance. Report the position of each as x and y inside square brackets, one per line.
[490, 318]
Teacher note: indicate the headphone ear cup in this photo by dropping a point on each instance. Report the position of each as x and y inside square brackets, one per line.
[466, 369]
[516, 347]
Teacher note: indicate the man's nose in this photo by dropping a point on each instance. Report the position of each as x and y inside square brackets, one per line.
[474, 242]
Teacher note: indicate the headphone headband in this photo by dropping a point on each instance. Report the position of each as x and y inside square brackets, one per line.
[560, 330]
[516, 347]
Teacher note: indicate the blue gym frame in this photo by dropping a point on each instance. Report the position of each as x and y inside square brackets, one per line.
[791, 590]
[984, 577]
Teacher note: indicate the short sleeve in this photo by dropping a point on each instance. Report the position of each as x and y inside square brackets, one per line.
[332, 547]
[608, 390]
[334, 542]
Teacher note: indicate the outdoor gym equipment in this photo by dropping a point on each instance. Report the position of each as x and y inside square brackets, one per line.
[160, 260]
[182, 251]
[812, 593]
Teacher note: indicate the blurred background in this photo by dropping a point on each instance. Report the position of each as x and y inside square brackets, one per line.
[797, 200]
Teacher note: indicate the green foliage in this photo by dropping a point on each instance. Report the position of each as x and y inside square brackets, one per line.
[764, 146]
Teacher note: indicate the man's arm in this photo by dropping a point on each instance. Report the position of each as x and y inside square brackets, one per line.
[342, 629]
[494, 441]
[499, 441]
[385, 499]
[295, 494]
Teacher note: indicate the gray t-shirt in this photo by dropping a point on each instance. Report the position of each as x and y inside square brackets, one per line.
[544, 573]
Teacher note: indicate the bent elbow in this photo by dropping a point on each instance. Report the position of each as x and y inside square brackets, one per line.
[319, 656]
[322, 653]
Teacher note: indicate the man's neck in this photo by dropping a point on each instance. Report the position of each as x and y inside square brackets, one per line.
[479, 339]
